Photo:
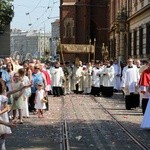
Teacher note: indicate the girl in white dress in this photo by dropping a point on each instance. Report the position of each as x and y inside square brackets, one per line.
[4, 130]
[39, 95]
[4, 120]
[18, 101]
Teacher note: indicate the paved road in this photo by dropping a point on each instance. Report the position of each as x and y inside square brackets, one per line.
[90, 128]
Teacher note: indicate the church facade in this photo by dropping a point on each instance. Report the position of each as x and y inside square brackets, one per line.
[84, 22]
[129, 29]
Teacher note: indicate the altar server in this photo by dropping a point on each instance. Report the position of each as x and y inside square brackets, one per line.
[96, 72]
[108, 80]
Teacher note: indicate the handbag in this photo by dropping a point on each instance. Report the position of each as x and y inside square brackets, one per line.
[44, 99]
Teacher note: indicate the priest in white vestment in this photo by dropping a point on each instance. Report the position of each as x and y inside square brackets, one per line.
[129, 84]
[77, 80]
[57, 79]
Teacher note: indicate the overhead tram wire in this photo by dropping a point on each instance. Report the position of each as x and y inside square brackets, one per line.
[34, 7]
[45, 11]
[27, 6]
[48, 18]
[40, 16]
[28, 13]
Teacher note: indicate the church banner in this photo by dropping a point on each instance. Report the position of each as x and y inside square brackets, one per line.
[77, 48]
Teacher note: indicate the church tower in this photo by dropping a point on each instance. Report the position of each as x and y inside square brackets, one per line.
[82, 21]
[74, 21]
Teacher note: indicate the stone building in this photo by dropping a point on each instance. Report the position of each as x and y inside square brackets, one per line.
[129, 29]
[117, 29]
[55, 35]
[84, 21]
[138, 22]
[34, 43]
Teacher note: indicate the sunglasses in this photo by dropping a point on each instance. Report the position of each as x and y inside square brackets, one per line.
[36, 68]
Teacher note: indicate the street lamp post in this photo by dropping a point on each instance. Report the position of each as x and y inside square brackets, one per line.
[121, 29]
[39, 40]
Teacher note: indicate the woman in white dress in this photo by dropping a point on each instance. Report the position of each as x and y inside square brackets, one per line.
[39, 95]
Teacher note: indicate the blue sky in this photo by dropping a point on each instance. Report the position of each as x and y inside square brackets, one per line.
[35, 14]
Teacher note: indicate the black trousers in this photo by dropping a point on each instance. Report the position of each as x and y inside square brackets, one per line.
[132, 101]
[107, 91]
[31, 102]
[95, 91]
[76, 91]
[57, 91]
[144, 104]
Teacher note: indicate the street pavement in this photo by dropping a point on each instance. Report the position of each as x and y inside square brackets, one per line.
[90, 128]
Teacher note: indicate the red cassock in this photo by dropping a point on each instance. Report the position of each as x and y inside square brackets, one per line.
[145, 78]
[48, 80]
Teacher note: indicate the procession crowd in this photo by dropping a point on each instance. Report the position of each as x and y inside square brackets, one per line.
[23, 87]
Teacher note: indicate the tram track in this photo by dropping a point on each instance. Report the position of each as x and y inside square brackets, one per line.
[125, 130]
[64, 137]
[89, 125]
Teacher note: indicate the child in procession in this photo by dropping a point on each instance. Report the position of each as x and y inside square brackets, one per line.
[4, 130]
[39, 105]
[18, 101]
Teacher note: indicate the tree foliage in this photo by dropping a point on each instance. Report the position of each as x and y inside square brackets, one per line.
[6, 13]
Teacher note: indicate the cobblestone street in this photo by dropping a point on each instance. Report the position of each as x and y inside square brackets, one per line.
[89, 126]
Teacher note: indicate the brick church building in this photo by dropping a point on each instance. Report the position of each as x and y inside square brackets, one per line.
[84, 22]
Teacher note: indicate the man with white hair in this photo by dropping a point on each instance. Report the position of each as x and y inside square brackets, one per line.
[129, 84]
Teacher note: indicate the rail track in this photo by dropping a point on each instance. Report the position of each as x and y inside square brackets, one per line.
[66, 140]
[64, 137]
[126, 131]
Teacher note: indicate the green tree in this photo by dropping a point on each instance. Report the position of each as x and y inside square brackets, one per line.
[6, 13]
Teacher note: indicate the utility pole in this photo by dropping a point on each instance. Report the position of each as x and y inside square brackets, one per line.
[44, 42]
[39, 40]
